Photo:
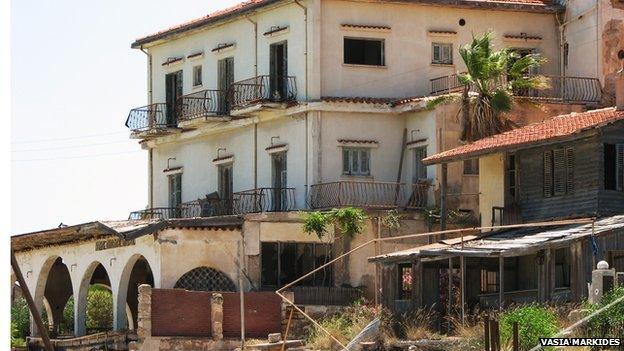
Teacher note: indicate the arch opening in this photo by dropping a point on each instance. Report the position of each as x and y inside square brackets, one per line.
[138, 272]
[205, 279]
[94, 312]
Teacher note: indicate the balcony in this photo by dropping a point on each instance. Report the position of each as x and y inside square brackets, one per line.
[243, 202]
[205, 105]
[154, 119]
[369, 195]
[263, 89]
[562, 89]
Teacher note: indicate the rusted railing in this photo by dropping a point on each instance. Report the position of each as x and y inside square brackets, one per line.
[201, 104]
[419, 195]
[242, 202]
[154, 116]
[263, 89]
[373, 195]
[563, 89]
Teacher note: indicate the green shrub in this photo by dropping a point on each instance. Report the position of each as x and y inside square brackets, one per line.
[610, 322]
[534, 322]
[20, 319]
[99, 308]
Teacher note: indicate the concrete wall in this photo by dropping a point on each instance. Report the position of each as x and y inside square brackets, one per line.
[491, 185]
[408, 44]
[241, 32]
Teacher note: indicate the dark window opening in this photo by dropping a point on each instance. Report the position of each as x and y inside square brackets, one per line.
[405, 281]
[364, 51]
[489, 281]
[471, 167]
[558, 173]
[175, 190]
[282, 263]
[420, 170]
[614, 166]
[511, 177]
[562, 268]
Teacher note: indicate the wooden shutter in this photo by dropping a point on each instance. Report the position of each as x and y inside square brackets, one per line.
[619, 166]
[365, 161]
[548, 176]
[436, 53]
[559, 172]
[346, 165]
[569, 155]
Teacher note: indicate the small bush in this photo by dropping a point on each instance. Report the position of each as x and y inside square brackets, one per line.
[534, 322]
[20, 320]
[609, 323]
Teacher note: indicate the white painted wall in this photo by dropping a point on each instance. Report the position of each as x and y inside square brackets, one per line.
[408, 45]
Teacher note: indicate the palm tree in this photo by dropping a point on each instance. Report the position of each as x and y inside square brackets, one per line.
[494, 76]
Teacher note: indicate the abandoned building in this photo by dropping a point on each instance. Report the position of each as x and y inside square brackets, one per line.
[272, 107]
[569, 166]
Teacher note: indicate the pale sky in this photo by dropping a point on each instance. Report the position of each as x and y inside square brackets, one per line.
[74, 79]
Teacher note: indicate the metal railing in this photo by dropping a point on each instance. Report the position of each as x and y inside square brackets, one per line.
[372, 195]
[154, 116]
[561, 89]
[248, 201]
[202, 104]
[265, 88]
[326, 295]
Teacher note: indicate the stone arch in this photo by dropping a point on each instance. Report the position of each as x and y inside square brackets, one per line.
[205, 279]
[96, 273]
[53, 289]
[136, 271]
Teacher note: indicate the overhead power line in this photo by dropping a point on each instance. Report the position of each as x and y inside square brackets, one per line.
[73, 146]
[76, 157]
[68, 138]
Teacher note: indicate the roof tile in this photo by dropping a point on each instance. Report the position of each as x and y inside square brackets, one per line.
[554, 128]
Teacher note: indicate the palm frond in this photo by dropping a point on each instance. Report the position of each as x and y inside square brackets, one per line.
[501, 101]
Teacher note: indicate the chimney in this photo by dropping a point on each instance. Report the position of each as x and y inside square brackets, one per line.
[619, 84]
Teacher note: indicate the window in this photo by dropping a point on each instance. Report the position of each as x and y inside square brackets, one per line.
[226, 183]
[197, 76]
[558, 172]
[284, 262]
[512, 188]
[356, 161]
[471, 167]
[364, 51]
[614, 166]
[420, 170]
[442, 53]
[562, 268]
[405, 281]
[175, 190]
[489, 281]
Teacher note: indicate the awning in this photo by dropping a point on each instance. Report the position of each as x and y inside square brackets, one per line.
[511, 242]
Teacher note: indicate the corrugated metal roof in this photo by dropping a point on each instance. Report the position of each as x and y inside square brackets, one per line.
[126, 229]
[511, 242]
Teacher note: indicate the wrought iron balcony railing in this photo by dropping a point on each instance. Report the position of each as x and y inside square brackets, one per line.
[248, 201]
[562, 89]
[202, 104]
[263, 89]
[371, 195]
[151, 117]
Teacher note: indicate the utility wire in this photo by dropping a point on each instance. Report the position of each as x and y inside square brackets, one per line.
[69, 138]
[76, 157]
[73, 146]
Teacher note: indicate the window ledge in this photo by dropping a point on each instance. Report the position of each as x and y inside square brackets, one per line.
[197, 86]
[364, 66]
[470, 175]
[435, 64]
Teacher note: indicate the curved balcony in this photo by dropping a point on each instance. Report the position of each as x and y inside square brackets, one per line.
[151, 118]
[202, 104]
[261, 89]
[369, 195]
[562, 89]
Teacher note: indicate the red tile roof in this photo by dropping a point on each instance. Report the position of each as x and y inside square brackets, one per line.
[518, 5]
[532, 135]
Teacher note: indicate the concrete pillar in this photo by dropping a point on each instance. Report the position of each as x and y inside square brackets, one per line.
[216, 316]
[80, 309]
[144, 322]
[119, 303]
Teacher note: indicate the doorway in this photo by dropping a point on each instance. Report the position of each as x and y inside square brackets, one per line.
[278, 73]
[225, 73]
[173, 90]
[279, 181]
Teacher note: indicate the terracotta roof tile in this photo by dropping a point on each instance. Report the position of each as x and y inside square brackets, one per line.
[532, 134]
[533, 5]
